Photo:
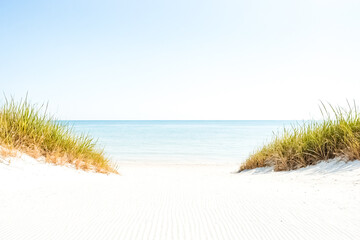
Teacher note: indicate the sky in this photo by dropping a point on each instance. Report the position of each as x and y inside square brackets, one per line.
[189, 59]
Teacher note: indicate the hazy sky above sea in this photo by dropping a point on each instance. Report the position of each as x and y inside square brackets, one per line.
[184, 59]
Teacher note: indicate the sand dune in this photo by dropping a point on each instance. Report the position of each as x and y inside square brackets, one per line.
[159, 201]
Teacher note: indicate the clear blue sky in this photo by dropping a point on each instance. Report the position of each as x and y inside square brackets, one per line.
[181, 59]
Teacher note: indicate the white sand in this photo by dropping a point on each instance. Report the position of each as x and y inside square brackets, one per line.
[153, 201]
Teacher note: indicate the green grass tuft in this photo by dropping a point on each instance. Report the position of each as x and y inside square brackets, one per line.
[337, 135]
[28, 128]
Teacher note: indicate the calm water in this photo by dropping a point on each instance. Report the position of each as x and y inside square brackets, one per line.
[180, 141]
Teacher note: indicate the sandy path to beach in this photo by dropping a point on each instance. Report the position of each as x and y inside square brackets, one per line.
[158, 201]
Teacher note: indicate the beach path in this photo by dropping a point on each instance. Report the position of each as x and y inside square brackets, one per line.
[169, 201]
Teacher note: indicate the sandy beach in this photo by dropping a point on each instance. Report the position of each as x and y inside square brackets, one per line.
[169, 201]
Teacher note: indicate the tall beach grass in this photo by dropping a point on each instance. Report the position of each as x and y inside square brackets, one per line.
[29, 128]
[337, 135]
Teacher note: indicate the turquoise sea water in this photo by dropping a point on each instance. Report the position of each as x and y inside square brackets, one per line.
[180, 141]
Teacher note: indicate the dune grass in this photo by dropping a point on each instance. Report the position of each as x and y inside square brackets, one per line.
[30, 129]
[337, 135]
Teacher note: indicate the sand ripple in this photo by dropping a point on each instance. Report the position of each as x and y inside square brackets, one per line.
[39, 201]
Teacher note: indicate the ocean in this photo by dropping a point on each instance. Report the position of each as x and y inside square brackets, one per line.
[180, 141]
